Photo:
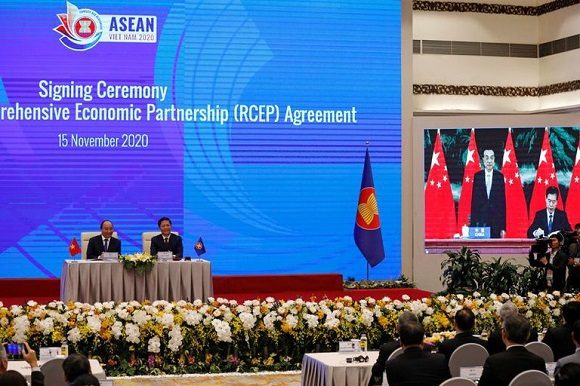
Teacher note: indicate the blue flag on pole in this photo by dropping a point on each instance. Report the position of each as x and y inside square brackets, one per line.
[367, 227]
[199, 247]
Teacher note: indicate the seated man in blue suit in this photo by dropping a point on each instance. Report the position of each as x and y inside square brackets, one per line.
[105, 242]
[167, 241]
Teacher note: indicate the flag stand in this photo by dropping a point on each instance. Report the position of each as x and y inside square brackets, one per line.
[367, 270]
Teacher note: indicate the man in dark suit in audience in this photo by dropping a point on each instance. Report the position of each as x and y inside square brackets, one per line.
[464, 322]
[415, 366]
[29, 355]
[560, 338]
[495, 343]
[500, 369]
[167, 241]
[388, 348]
[74, 366]
[105, 242]
[573, 358]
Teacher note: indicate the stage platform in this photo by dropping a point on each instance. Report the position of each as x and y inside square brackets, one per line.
[239, 288]
[286, 378]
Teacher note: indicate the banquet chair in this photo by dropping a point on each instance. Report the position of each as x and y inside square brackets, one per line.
[395, 353]
[85, 237]
[146, 239]
[467, 355]
[458, 381]
[531, 378]
[53, 372]
[542, 350]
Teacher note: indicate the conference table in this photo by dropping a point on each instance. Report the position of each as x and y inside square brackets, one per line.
[89, 281]
[24, 368]
[332, 369]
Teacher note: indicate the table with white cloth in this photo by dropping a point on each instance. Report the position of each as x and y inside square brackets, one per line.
[89, 281]
[331, 369]
[24, 368]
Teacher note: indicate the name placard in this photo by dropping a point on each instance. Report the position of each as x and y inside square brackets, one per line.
[165, 256]
[479, 232]
[48, 353]
[473, 373]
[110, 256]
[348, 346]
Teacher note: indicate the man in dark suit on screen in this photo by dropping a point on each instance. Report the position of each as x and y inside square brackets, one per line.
[105, 242]
[550, 219]
[488, 199]
[415, 366]
[167, 241]
[499, 369]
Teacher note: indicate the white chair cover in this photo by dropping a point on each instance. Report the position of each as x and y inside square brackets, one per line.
[53, 372]
[542, 350]
[467, 355]
[531, 378]
[458, 381]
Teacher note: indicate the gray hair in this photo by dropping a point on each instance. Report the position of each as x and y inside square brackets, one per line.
[407, 317]
[3, 352]
[507, 309]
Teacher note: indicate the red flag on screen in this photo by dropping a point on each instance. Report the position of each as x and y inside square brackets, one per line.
[545, 177]
[573, 199]
[472, 166]
[440, 219]
[515, 200]
[74, 248]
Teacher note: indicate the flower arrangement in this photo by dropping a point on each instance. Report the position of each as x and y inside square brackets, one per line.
[220, 335]
[139, 262]
[402, 282]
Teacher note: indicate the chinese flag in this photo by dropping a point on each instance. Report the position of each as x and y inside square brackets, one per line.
[515, 200]
[367, 226]
[74, 248]
[440, 220]
[573, 199]
[472, 166]
[545, 176]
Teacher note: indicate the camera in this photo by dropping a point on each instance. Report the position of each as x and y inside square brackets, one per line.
[541, 245]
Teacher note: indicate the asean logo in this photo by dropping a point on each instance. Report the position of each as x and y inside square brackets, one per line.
[81, 29]
[367, 214]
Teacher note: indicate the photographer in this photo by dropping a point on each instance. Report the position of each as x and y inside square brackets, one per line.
[573, 283]
[552, 261]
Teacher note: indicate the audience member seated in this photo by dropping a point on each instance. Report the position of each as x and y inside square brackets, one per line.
[560, 338]
[573, 358]
[86, 380]
[569, 375]
[495, 343]
[74, 366]
[14, 378]
[416, 366]
[499, 369]
[387, 349]
[464, 322]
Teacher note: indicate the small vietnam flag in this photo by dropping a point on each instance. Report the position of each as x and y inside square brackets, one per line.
[74, 248]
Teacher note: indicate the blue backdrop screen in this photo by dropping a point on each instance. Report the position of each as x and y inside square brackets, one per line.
[243, 121]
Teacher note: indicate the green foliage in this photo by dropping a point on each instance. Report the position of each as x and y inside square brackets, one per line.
[462, 271]
[499, 277]
[401, 282]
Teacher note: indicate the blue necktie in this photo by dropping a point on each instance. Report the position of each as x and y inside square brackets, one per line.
[550, 223]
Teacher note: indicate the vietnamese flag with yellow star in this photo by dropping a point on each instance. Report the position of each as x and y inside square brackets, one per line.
[74, 247]
[367, 227]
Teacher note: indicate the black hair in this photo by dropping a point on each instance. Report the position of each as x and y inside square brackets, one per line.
[465, 319]
[74, 366]
[163, 219]
[517, 328]
[411, 333]
[552, 190]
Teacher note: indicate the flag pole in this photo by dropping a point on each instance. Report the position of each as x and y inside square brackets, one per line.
[367, 149]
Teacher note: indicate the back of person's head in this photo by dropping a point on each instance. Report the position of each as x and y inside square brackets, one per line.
[86, 380]
[12, 378]
[569, 375]
[411, 334]
[3, 359]
[407, 317]
[517, 328]
[74, 366]
[571, 312]
[507, 309]
[465, 319]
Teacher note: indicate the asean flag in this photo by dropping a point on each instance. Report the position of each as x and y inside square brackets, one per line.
[367, 228]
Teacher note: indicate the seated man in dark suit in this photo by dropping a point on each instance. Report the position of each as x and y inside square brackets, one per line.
[464, 322]
[573, 358]
[29, 355]
[499, 369]
[105, 242]
[74, 366]
[387, 349]
[495, 343]
[550, 219]
[167, 241]
[560, 338]
[415, 366]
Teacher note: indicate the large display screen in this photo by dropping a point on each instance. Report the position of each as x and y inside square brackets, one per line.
[501, 182]
[245, 122]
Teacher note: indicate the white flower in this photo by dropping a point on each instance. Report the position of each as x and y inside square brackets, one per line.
[223, 330]
[175, 339]
[117, 329]
[74, 335]
[132, 332]
[311, 320]
[154, 345]
[248, 320]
